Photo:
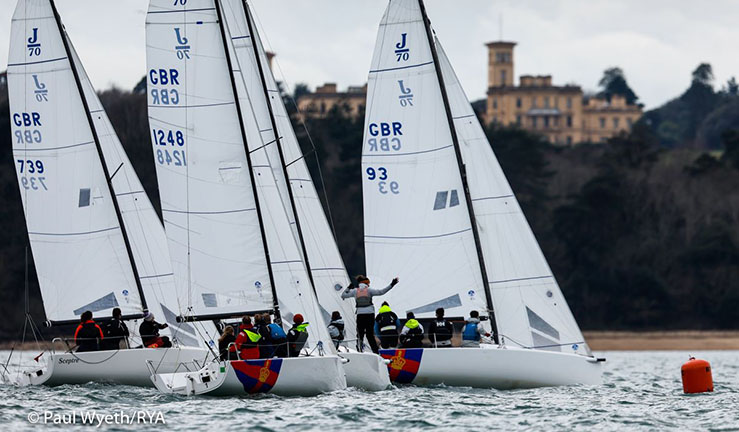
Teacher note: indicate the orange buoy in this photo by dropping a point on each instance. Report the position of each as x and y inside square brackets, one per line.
[697, 376]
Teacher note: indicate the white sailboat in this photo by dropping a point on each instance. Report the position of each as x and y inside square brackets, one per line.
[96, 240]
[300, 199]
[231, 241]
[438, 211]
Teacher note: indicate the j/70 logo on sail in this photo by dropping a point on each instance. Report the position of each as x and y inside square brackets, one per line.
[406, 95]
[41, 91]
[183, 49]
[401, 51]
[34, 46]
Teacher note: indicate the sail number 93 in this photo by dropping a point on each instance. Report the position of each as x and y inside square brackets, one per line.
[383, 184]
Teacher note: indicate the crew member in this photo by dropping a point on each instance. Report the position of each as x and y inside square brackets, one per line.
[365, 310]
[386, 326]
[115, 331]
[88, 335]
[226, 350]
[279, 339]
[149, 331]
[441, 331]
[336, 328]
[247, 342]
[412, 334]
[298, 335]
[261, 326]
[473, 331]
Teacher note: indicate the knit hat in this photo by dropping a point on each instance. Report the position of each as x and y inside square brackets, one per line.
[149, 316]
[298, 319]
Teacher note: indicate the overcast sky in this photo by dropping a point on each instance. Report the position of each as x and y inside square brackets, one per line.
[657, 43]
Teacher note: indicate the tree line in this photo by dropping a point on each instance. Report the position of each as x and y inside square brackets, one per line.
[641, 232]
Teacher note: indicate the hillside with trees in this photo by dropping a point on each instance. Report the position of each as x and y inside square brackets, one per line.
[641, 232]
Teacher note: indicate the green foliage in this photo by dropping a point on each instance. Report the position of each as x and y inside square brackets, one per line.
[614, 83]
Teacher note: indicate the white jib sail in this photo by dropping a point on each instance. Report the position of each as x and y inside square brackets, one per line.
[294, 291]
[77, 243]
[205, 188]
[326, 264]
[530, 309]
[416, 221]
[145, 230]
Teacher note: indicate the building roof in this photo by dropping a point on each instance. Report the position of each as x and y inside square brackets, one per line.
[502, 44]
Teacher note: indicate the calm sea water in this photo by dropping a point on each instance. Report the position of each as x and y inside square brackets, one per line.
[641, 391]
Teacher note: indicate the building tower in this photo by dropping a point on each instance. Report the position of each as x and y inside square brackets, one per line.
[500, 64]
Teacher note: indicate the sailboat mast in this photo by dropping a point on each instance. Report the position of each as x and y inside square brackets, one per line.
[248, 160]
[462, 170]
[278, 142]
[101, 155]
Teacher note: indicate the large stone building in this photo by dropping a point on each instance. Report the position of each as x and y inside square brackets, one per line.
[320, 102]
[561, 113]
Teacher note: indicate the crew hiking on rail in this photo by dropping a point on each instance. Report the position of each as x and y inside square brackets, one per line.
[362, 295]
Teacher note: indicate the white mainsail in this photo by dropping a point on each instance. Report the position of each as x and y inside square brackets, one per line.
[293, 286]
[78, 247]
[529, 306]
[326, 264]
[416, 221]
[406, 109]
[205, 187]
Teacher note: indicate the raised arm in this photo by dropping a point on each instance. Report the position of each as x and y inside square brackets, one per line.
[381, 291]
[348, 293]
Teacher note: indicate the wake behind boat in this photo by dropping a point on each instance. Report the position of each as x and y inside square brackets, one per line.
[438, 211]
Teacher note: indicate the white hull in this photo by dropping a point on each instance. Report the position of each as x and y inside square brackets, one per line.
[490, 367]
[297, 376]
[367, 371]
[126, 366]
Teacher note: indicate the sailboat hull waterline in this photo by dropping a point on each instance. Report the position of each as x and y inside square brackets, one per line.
[491, 367]
[298, 376]
[127, 367]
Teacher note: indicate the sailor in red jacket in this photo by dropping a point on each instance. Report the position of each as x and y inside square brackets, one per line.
[247, 341]
[88, 334]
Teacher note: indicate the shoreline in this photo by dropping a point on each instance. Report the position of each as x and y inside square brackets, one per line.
[600, 340]
[674, 340]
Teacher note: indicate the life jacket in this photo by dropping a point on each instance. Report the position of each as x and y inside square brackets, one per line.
[298, 338]
[276, 332]
[386, 320]
[470, 331]
[339, 326]
[415, 332]
[363, 296]
[248, 344]
[441, 330]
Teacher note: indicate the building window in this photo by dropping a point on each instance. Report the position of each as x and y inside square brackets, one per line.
[629, 122]
[533, 102]
[518, 102]
[495, 103]
[495, 119]
[546, 121]
[569, 140]
[569, 121]
[546, 101]
[569, 102]
[323, 107]
[518, 120]
[503, 77]
[533, 122]
[556, 121]
[502, 57]
[602, 122]
[615, 122]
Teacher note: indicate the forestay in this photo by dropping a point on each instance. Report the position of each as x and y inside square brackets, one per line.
[293, 287]
[326, 264]
[530, 309]
[207, 200]
[78, 247]
[416, 221]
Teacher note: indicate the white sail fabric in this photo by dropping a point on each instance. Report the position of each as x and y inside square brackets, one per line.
[207, 199]
[294, 291]
[530, 309]
[326, 264]
[144, 229]
[416, 221]
[78, 247]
